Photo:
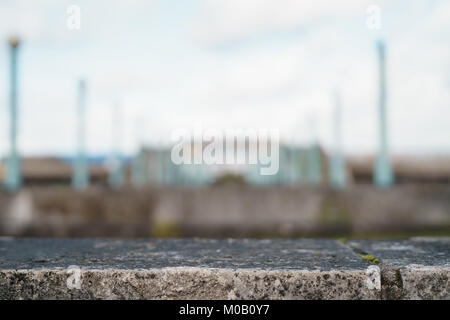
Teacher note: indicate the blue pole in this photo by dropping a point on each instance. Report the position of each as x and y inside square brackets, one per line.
[80, 177]
[13, 179]
[383, 177]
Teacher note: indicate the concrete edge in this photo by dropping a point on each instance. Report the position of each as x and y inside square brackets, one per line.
[188, 283]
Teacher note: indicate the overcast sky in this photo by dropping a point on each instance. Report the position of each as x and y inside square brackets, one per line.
[170, 64]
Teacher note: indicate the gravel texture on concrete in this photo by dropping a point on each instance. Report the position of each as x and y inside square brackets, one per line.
[417, 268]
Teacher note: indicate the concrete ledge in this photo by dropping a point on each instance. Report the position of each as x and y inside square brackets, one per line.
[224, 269]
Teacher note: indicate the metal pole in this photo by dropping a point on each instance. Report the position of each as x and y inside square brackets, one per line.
[383, 176]
[13, 179]
[80, 177]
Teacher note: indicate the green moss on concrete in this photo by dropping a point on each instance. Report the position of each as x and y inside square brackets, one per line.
[398, 277]
[370, 258]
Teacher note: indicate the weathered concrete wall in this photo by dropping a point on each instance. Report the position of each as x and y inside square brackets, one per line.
[62, 212]
[224, 269]
[225, 211]
[244, 211]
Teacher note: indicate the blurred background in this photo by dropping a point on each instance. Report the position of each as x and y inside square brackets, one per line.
[91, 92]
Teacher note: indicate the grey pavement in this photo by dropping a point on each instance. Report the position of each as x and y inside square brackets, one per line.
[417, 268]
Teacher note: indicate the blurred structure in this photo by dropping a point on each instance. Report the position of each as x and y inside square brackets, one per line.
[337, 166]
[80, 178]
[13, 175]
[408, 169]
[116, 173]
[383, 177]
[44, 171]
[2, 172]
[314, 165]
[138, 170]
[159, 170]
[227, 210]
[358, 170]
[314, 161]
[138, 173]
[153, 166]
[290, 166]
[298, 166]
[52, 171]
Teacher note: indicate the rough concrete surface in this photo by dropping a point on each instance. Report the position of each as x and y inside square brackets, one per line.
[417, 268]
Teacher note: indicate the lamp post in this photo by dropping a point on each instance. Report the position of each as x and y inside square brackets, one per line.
[383, 177]
[80, 177]
[13, 179]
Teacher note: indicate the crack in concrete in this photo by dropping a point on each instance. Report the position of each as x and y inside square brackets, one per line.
[391, 280]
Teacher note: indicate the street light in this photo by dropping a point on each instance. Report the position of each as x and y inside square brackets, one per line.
[13, 179]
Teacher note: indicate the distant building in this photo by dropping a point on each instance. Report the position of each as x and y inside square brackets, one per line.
[2, 172]
[294, 166]
[159, 170]
[38, 171]
[407, 169]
